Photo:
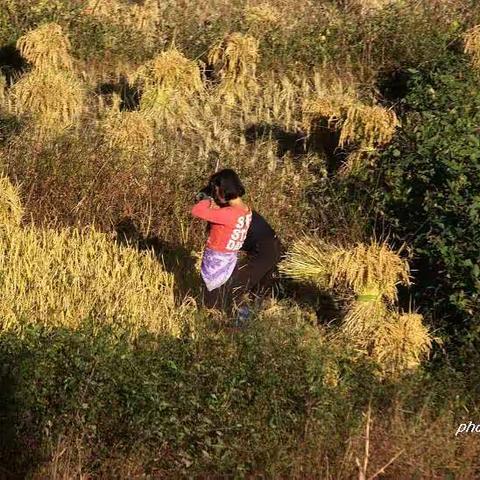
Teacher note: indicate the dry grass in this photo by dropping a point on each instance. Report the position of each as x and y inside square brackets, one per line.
[131, 133]
[143, 17]
[46, 47]
[11, 210]
[54, 100]
[234, 61]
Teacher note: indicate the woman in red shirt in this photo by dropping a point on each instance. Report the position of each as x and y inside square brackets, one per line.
[228, 227]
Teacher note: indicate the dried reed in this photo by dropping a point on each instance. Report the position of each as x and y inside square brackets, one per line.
[46, 47]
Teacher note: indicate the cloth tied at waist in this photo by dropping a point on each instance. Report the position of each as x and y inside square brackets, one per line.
[217, 267]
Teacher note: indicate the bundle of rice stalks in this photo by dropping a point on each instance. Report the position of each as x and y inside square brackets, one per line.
[65, 278]
[53, 99]
[11, 210]
[367, 126]
[46, 47]
[372, 270]
[397, 342]
[129, 132]
[168, 83]
[472, 45]
[234, 61]
[401, 343]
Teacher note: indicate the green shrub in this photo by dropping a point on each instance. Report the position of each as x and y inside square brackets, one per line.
[431, 196]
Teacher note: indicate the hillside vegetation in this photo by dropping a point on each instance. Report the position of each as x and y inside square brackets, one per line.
[354, 126]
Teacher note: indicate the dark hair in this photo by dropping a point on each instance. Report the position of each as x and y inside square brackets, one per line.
[228, 183]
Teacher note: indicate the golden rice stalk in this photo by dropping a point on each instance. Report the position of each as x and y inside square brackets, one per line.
[472, 45]
[361, 268]
[129, 132]
[145, 18]
[11, 210]
[171, 70]
[234, 61]
[69, 277]
[401, 343]
[46, 47]
[397, 342]
[168, 83]
[262, 16]
[53, 99]
[368, 126]
[368, 6]
[364, 317]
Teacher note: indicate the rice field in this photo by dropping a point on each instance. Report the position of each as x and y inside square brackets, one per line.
[112, 116]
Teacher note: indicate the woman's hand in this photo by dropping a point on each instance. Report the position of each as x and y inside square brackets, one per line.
[213, 204]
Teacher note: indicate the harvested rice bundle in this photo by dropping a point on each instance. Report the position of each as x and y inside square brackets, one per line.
[53, 99]
[11, 210]
[367, 126]
[168, 83]
[366, 269]
[234, 61]
[401, 343]
[472, 45]
[370, 126]
[46, 47]
[372, 272]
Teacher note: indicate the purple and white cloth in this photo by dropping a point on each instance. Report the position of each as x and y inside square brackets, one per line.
[217, 267]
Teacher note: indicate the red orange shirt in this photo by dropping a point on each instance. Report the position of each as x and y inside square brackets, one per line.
[229, 225]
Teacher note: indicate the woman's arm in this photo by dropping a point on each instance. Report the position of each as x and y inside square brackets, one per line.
[209, 211]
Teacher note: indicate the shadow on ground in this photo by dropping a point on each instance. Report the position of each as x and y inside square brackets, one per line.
[322, 140]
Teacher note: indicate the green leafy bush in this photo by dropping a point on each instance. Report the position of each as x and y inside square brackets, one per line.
[432, 190]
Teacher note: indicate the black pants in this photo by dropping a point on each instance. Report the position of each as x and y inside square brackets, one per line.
[254, 275]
